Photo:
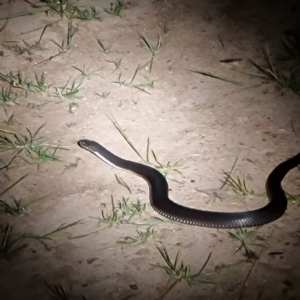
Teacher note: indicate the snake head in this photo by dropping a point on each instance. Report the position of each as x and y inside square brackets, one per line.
[94, 148]
[88, 145]
[101, 152]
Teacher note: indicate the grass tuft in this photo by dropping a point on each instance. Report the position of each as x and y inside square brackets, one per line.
[238, 186]
[178, 272]
[86, 73]
[8, 97]
[17, 208]
[8, 243]
[149, 45]
[60, 7]
[33, 147]
[65, 45]
[84, 14]
[69, 92]
[122, 213]
[103, 95]
[57, 292]
[19, 81]
[142, 237]
[140, 86]
[284, 79]
[116, 63]
[104, 49]
[245, 237]
[115, 8]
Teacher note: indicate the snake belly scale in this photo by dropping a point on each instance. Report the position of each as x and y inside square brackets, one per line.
[159, 198]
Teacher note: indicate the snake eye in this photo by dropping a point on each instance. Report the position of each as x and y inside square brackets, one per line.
[81, 143]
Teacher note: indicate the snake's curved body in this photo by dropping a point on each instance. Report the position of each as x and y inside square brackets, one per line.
[159, 199]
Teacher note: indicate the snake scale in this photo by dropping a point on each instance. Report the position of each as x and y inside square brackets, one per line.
[159, 198]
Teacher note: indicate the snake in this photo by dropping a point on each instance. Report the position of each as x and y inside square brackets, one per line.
[163, 205]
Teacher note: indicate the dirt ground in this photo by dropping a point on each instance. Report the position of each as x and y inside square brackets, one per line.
[204, 122]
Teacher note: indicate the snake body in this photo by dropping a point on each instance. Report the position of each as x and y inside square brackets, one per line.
[159, 190]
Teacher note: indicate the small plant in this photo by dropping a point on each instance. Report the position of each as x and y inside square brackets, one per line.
[154, 48]
[86, 73]
[84, 14]
[57, 292]
[122, 213]
[104, 49]
[140, 86]
[21, 82]
[64, 8]
[18, 49]
[37, 45]
[283, 79]
[177, 272]
[132, 209]
[17, 208]
[142, 237]
[245, 237]
[10, 119]
[40, 86]
[238, 186]
[21, 142]
[293, 198]
[103, 95]
[8, 97]
[13, 210]
[283, 72]
[8, 242]
[165, 169]
[68, 92]
[65, 46]
[116, 218]
[34, 148]
[123, 183]
[117, 63]
[115, 8]
[60, 7]
[290, 54]
[43, 155]
[14, 80]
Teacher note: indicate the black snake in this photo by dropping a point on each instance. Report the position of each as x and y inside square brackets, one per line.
[159, 199]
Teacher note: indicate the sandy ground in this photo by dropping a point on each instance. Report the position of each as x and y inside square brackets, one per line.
[204, 122]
